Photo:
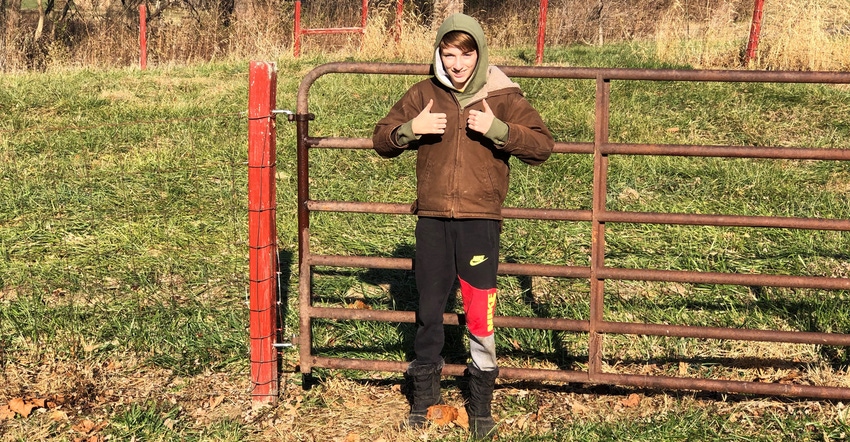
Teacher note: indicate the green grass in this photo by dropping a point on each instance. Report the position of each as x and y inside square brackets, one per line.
[123, 233]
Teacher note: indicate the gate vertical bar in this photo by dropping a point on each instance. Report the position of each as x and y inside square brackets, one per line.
[262, 230]
[597, 251]
[305, 340]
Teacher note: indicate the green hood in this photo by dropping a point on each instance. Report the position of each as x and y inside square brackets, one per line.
[464, 23]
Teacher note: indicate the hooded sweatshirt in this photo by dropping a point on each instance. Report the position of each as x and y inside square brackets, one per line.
[465, 23]
[462, 173]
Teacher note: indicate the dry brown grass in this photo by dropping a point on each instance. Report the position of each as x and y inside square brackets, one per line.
[711, 43]
[796, 34]
[343, 408]
[74, 391]
[808, 35]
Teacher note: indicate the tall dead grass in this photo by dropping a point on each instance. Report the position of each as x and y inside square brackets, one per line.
[796, 34]
[806, 35]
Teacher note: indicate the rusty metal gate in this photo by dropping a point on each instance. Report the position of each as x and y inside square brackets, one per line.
[597, 272]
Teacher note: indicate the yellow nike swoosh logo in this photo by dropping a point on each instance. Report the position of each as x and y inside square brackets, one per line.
[477, 259]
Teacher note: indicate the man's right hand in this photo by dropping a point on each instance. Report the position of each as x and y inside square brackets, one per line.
[429, 123]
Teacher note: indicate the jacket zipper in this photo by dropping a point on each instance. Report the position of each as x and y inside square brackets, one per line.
[456, 169]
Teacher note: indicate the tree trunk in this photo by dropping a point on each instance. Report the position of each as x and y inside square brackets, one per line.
[40, 28]
[443, 9]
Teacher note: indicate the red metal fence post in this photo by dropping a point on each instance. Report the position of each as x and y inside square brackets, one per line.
[399, 9]
[755, 31]
[296, 30]
[143, 39]
[262, 230]
[541, 30]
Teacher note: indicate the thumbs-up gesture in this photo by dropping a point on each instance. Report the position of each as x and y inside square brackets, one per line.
[481, 121]
[429, 123]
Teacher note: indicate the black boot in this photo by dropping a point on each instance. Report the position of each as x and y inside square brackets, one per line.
[426, 391]
[481, 385]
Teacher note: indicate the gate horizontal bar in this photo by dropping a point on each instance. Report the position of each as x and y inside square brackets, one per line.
[690, 150]
[735, 334]
[571, 376]
[366, 143]
[725, 220]
[505, 268]
[574, 325]
[789, 281]
[401, 316]
[404, 209]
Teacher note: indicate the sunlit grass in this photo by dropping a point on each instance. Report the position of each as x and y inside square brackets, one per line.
[123, 237]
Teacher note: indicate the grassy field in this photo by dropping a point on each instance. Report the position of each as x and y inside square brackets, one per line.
[123, 278]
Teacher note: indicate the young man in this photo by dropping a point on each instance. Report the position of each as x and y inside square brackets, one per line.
[465, 123]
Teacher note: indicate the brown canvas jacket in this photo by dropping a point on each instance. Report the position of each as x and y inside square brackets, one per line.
[462, 173]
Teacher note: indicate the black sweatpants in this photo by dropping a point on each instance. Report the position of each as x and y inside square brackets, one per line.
[447, 249]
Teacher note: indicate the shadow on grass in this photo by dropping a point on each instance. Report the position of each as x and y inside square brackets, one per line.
[284, 264]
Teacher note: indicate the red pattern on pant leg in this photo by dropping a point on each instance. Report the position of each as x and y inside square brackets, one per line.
[480, 307]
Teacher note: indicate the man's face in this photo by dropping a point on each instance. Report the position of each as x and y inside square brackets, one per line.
[459, 64]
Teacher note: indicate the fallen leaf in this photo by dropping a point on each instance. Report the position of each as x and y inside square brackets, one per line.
[6, 413]
[359, 305]
[632, 401]
[86, 426]
[462, 419]
[579, 408]
[790, 378]
[58, 416]
[18, 405]
[522, 423]
[441, 414]
[216, 401]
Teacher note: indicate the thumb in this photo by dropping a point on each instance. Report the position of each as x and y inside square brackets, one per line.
[486, 107]
[427, 109]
